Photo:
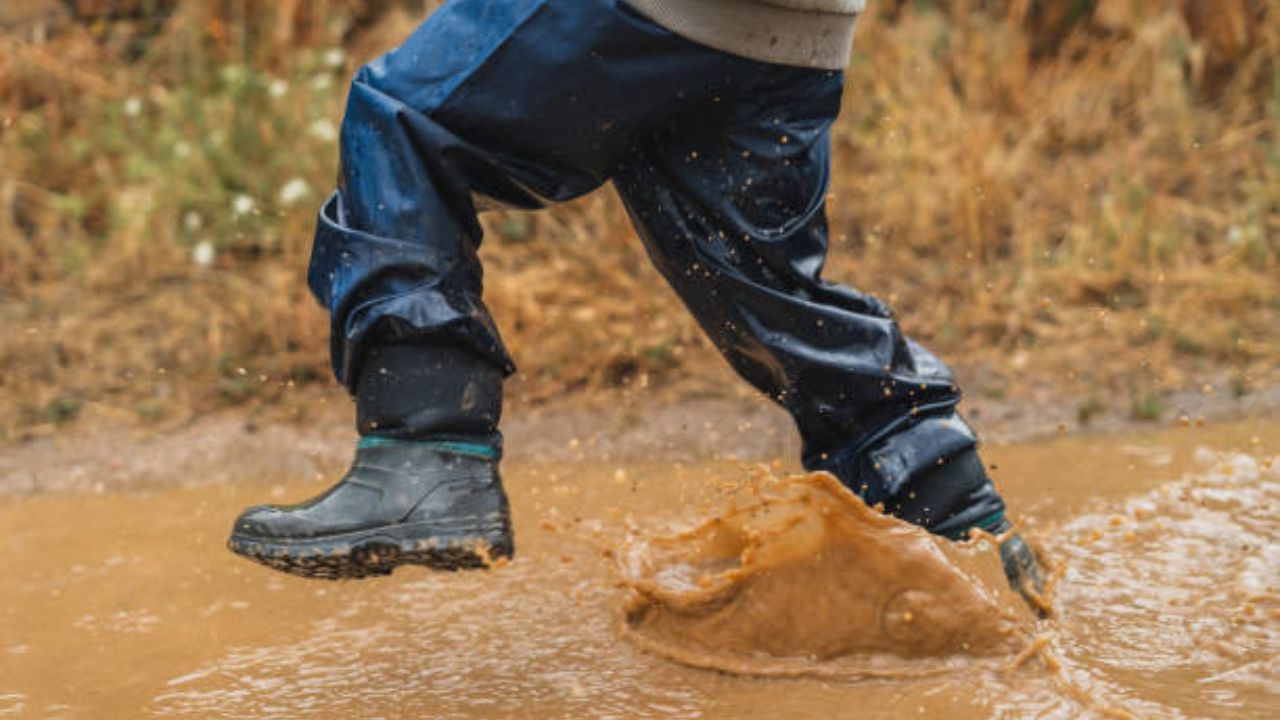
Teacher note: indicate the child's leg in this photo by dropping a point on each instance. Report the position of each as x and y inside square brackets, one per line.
[734, 218]
[514, 102]
[491, 102]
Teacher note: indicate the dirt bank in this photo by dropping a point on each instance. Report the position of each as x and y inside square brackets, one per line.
[106, 453]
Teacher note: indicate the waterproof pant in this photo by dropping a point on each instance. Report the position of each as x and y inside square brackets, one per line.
[723, 164]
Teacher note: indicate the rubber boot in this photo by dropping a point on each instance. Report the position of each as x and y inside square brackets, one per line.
[1022, 568]
[424, 486]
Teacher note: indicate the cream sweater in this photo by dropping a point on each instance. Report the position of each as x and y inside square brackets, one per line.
[808, 33]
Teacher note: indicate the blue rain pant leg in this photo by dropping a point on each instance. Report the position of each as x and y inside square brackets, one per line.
[511, 103]
[723, 163]
[734, 218]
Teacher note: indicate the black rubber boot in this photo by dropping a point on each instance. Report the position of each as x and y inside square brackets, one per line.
[438, 504]
[1022, 568]
[424, 487]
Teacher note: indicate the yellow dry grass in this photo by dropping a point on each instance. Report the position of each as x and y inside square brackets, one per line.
[1084, 202]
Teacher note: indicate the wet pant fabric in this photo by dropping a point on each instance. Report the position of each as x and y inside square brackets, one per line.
[722, 163]
[412, 390]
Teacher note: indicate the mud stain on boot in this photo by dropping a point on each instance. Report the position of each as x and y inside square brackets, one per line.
[797, 576]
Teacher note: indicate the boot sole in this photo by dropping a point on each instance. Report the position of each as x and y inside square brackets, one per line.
[377, 552]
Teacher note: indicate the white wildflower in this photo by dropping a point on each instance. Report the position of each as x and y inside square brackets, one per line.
[192, 221]
[323, 81]
[277, 88]
[182, 149]
[323, 130]
[203, 254]
[294, 191]
[133, 107]
[334, 57]
[242, 205]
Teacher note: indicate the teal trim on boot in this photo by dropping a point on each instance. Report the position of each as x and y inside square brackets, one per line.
[995, 523]
[456, 447]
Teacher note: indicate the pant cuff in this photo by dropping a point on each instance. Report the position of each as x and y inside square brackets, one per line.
[881, 471]
[417, 391]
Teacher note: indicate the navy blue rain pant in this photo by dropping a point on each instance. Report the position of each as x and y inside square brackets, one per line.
[723, 164]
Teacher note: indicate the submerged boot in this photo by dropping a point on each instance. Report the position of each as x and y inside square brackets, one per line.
[1022, 568]
[957, 496]
[438, 504]
[424, 487]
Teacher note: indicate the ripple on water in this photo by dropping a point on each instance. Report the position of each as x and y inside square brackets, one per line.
[452, 646]
[1173, 601]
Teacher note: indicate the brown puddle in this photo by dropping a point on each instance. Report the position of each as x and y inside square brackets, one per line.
[127, 605]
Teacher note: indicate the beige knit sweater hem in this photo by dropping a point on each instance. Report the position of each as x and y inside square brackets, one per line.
[760, 30]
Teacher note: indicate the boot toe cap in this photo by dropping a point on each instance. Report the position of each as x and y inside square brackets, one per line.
[265, 521]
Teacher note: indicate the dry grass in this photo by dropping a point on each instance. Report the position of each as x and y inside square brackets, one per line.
[1107, 212]
[1089, 202]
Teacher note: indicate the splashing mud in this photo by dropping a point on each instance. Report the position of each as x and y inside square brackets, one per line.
[799, 577]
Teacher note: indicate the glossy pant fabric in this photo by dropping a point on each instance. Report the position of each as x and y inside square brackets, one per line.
[723, 165]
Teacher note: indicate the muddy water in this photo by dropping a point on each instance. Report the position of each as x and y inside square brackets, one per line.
[128, 606]
[797, 577]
